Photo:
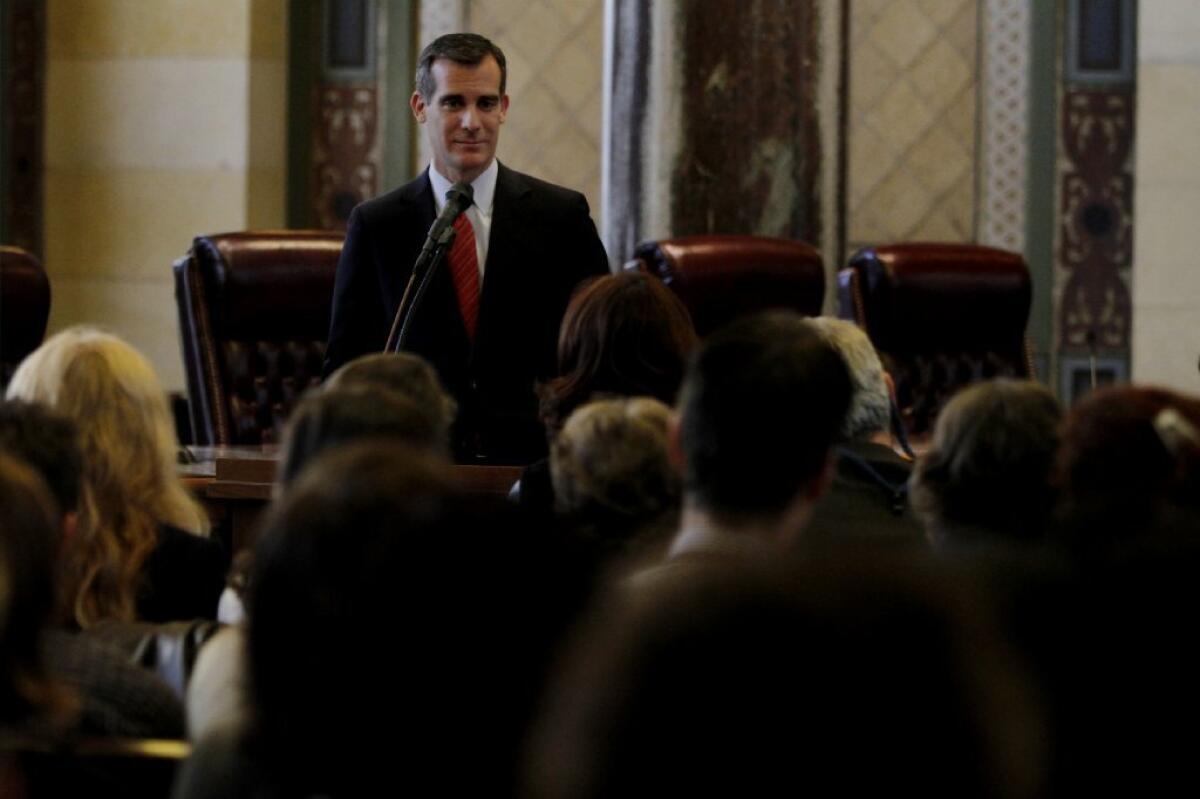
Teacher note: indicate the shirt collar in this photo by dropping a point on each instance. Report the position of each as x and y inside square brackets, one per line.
[484, 186]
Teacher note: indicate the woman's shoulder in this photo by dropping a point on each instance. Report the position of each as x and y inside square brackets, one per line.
[182, 577]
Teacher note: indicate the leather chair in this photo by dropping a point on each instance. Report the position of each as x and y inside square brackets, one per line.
[253, 318]
[722, 277]
[24, 308]
[941, 316]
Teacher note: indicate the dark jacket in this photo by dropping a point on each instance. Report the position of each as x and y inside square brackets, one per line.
[542, 244]
[868, 501]
[182, 577]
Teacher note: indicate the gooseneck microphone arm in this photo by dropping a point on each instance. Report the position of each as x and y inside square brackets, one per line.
[437, 244]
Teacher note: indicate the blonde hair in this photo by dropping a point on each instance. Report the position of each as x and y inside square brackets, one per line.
[129, 486]
[612, 456]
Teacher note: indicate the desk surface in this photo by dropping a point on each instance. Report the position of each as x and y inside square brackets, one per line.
[249, 473]
[236, 483]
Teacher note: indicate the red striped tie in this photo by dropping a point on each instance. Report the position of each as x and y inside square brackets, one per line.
[464, 265]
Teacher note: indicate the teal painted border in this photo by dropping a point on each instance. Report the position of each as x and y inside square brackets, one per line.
[399, 140]
[1041, 210]
[303, 58]
[6, 67]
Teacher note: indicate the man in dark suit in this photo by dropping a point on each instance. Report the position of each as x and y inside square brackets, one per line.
[489, 322]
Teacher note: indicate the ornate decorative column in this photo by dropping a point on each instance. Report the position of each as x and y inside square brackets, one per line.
[1095, 194]
[347, 148]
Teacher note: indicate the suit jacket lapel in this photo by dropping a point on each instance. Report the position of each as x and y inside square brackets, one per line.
[502, 275]
[414, 214]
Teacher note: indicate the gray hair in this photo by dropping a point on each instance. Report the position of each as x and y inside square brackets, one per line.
[612, 456]
[870, 404]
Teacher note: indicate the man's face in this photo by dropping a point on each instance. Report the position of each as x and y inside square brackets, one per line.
[463, 117]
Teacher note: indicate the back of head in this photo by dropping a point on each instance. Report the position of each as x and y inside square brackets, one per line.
[347, 413]
[403, 373]
[331, 570]
[394, 622]
[762, 404]
[48, 442]
[624, 335]
[861, 675]
[1129, 465]
[988, 468]
[870, 403]
[130, 486]
[610, 465]
[28, 539]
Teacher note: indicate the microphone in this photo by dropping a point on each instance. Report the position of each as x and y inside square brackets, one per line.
[458, 199]
[441, 233]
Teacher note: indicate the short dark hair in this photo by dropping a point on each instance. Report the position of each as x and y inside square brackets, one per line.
[468, 49]
[47, 441]
[762, 404]
[622, 335]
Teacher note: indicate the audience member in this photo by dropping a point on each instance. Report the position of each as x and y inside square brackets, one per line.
[397, 628]
[1129, 469]
[760, 410]
[48, 442]
[404, 373]
[359, 405]
[868, 501]
[351, 412]
[30, 698]
[140, 548]
[53, 681]
[985, 478]
[614, 482]
[392, 395]
[624, 335]
[849, 677]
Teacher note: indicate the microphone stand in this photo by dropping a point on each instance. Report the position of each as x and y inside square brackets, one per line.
[422, 272]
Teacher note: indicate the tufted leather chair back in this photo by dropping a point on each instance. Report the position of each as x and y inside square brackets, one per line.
[24, 307]
[722, 277]
[253, 317]
[941, 316]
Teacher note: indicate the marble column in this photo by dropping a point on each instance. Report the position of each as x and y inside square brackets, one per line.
[721, 118]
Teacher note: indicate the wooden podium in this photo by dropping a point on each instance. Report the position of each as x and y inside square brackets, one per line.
[236, 484]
